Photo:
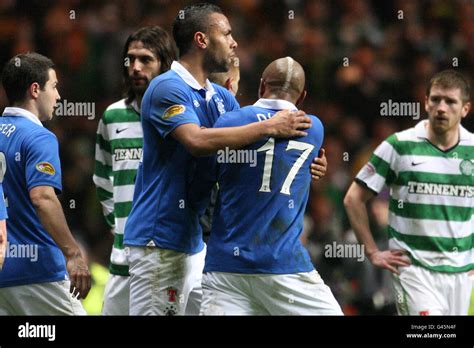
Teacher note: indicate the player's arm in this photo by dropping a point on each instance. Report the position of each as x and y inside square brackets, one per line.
[3, 225]
[103, 173]
[355, 203]
[319, 165]
[206, 141]
[52, 218]
[3, 241]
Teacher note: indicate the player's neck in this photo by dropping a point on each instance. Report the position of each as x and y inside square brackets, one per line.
[29, 106]
[194, 65]
[443, 141]
[270, 95]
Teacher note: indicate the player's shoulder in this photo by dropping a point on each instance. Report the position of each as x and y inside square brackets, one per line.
[118, 105]
[120, 111]
[167, 86]
[398, 139]
[115, 108]
[468, 137]
[316, 123]
[168, 80]
[35, 133]
[404, 135]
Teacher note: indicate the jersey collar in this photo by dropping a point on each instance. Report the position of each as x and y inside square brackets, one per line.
[422, 132]
[275, 104]
[135, 107]
[14, 111]
[189, 79]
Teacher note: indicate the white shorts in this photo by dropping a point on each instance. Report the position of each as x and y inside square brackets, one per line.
[420, 291]
[267, 294]
[116, 295]
[165, 282]
[40, 299]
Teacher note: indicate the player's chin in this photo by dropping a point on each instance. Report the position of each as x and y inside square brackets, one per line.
[139, 89]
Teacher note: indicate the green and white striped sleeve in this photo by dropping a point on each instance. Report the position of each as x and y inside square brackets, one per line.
[103, 177]
[380, 170]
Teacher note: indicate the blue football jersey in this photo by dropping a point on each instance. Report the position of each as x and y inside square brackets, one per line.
[31, 155]
[3, 209]
[161, 214]
[261, 203]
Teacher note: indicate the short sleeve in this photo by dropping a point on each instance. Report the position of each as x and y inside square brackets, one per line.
[170, 107]
[379, 171]
[3, 209]
[43, 167]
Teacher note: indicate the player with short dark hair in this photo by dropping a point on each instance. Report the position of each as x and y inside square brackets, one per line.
[179, 109]
[256, 264]
[430, 172]
[147, 53]
[36, 282]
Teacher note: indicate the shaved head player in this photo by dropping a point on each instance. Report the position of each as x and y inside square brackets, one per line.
[256, 264]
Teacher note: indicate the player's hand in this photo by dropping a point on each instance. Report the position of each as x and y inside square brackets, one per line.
[3, 242]
[390, 259]
[319, 165]
[289, 124]
[79, 276]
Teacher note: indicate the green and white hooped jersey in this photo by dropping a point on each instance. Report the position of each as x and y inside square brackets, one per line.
[431, 197]
[118, 152]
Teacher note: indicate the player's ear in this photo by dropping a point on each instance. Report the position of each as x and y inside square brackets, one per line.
[200, 39]
[228, 84]
[34, 90]
[465, 109]
[301, 98]
[426, 103]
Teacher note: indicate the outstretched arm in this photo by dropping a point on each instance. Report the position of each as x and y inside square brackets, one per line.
[206, 141]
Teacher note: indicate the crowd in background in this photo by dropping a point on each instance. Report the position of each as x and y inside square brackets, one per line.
[357, 54]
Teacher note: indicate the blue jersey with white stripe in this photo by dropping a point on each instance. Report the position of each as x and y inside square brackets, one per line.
[161, 214]
[261, 203]
[31, 155]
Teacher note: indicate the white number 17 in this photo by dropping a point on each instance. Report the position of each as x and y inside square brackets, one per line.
[269, 148]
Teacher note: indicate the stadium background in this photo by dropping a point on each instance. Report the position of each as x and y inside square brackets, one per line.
[392, 48]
